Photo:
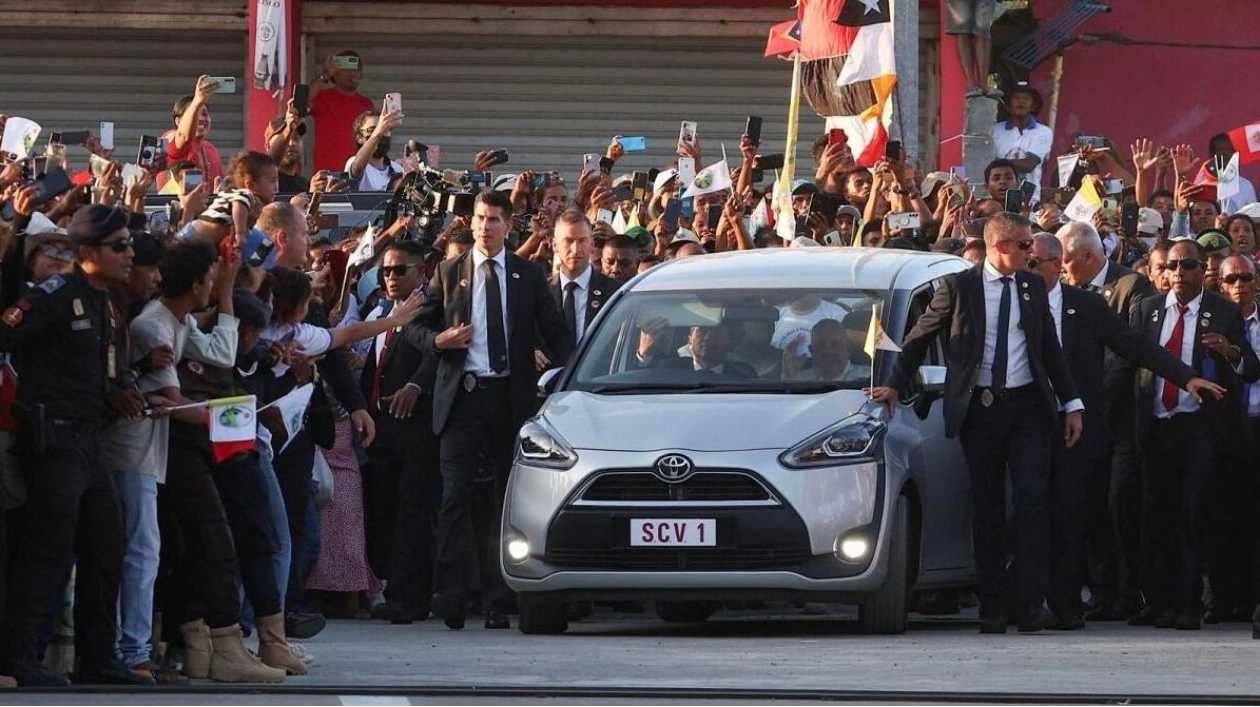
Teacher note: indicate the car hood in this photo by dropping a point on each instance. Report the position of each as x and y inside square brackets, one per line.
[707, 422]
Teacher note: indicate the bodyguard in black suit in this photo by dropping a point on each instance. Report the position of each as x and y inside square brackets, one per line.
[1115, 526]
[1005, 369]
[1087, 328]
[402, 485]
[578, 288]
[483, 316]
[1178, 435]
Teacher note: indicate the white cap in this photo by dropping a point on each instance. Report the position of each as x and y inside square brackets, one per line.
[504, 182]
[803, 242]
[41, 224]
[1150, 221]
[684, 236]
[663, 178]
[1252, 210]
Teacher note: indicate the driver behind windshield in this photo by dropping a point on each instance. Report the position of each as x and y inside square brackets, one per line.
[709, 347]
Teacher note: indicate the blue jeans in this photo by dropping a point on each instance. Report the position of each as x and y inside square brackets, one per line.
[279, 519]
[138, 493]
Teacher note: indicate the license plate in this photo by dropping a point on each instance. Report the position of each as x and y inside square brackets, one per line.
[673, 532]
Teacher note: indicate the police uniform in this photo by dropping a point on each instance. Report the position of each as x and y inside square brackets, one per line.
[67, 345]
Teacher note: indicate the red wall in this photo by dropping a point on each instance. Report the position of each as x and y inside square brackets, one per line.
[1169, 94]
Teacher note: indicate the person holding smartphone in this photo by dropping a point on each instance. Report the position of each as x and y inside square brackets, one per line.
[189, 140]
[371, 168]
[335, 104]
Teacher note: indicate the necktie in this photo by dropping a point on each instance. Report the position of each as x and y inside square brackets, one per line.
[1170, 392]
[570, 308]
[380, 368]
[494, 319]
[1003, 333]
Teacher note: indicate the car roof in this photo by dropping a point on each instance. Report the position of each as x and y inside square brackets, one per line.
[811, 268]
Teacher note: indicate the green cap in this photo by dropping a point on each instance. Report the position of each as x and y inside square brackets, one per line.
[639, 235]
[1214, 239]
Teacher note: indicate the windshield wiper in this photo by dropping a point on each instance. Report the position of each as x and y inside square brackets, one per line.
[631, 388]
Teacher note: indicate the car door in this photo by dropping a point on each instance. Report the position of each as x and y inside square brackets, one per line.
[938, 469]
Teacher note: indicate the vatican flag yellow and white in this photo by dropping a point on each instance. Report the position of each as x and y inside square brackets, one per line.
[877, 339]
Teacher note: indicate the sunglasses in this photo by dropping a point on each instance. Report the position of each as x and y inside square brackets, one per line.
[396, 270]
[1232, 278]
[118, 246]
[52, 251]
[1033, 263]
[1023, 244]
[1183, 264]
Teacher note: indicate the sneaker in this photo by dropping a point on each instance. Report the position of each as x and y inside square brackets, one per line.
[161, 674]
[301, 652]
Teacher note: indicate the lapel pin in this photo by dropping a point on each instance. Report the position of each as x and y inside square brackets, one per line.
[516, 276]
[1207, 314]
[1024, 284]
[594, 304]
[463, 283]
[1106, 293]
[1027, 297]
[1203, 322]
[1071, 311]
[597, 293]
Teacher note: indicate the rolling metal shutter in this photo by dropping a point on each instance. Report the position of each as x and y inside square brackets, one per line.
[549, 100]
[74, 79]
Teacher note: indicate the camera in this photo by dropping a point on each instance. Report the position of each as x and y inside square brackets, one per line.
[430, 195]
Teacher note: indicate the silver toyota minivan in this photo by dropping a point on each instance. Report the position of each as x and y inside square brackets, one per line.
[711, 442]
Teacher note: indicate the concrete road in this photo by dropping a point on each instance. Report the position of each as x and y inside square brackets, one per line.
[808, 658]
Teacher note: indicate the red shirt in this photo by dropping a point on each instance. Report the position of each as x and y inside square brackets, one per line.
[334, 113]
[202, 154]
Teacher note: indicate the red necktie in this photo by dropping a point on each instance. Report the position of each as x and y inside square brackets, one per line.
[380, 368]
[1170, 393]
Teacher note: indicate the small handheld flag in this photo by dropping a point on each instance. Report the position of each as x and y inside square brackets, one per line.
[877, 339]
[233, 426]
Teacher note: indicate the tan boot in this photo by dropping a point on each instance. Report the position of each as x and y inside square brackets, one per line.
[273, 649]
[231, 662]
[6, 681]
[197, 648]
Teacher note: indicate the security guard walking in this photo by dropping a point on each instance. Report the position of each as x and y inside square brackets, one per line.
[69, 348]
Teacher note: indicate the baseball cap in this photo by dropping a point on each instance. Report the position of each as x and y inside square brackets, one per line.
[504, 182]
[1252, 210]
[664, 178]
[1026, 88]
[639, 235]
[682, 237]
[147, 247]
[95, 223]
[1150, 221]
[623, 179]
[803, 184]
[932, 180]
[803, 242]
[1214, 239]
[42, 230]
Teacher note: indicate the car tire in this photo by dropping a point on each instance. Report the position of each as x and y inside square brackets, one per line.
[885, 611]
[541, 616]
[685, 612]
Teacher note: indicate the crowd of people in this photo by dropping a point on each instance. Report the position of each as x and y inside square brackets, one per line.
[383, 502]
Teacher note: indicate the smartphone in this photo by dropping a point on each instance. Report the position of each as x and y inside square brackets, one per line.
[328, 222]
[336, 260]
[302, 99]
[653, 174]
[604, 216]
[686, 171]
[752, 128]
[340, 176]
[107, 135]
[590, 163]
[832, 238]
[1029, 189]
[837, 136]
[909, 220]
[540, 181]
[771, 161]
[98, 165]
[190, 178]
[345, 63]
[227, 84]
[758, 176]
[673, 209]
[688, 207]
[1113, 186]
[1094, 141]
[54, 183]
[312, 206]
[1014, 201]
[606, 165]
[634, 143]
[801, 229]
[714, 216]
[958, 172]
[623, 192]
[1129, 220]
[639, 185]
[56, 154]
[393, 101]
[892, 151]
[38, 165]
[77, 137]
[687, 133]
[498, 157]
[148, 151]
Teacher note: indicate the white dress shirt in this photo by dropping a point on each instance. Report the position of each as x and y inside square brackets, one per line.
[1018, 372]
[1009, 142]
[581, 296]
[1251, 325]
[1100, 280]
[1185, 402]
[478, 358]
[1056, 309]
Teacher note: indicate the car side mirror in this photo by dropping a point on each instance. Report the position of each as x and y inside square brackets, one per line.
[932, 379]
[548, 381]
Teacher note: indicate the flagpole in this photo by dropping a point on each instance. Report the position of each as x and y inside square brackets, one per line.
[782, 205]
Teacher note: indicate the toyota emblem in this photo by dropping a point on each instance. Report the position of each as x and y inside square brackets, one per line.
[674, 468]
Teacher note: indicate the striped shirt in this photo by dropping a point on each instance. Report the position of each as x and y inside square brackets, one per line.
[220, 210]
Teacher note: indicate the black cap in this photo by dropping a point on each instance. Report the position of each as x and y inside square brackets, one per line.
[95, 223]
[1027, 88]
[251, 310]
[148, 248]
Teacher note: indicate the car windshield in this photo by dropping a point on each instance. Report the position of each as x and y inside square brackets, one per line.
[727, 341]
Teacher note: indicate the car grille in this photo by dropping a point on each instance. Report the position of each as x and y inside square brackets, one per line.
[702, 486]
[679, 559]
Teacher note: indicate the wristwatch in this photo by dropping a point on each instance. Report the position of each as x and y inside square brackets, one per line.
[324, 79]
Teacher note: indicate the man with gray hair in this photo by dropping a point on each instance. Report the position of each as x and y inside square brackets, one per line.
[284, 225]
[1115, 584]
[1087, 329]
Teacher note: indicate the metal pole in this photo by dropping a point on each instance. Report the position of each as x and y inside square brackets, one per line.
[1056, 75]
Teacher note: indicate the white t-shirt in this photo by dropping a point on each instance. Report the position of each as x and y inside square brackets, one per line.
[375, 178]
[1010, 143]
[794, 325]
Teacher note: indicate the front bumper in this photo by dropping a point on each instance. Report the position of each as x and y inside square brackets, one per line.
[787, 544]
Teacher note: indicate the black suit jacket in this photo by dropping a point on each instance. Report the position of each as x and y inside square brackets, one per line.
[401, 364]
[602, 288]
[1090, 329]
[531, 313]
[1219, 315]
[1124, 290]
[958, 311]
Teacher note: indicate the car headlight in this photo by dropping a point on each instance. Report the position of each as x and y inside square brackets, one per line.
[539, 445]
[853, 439]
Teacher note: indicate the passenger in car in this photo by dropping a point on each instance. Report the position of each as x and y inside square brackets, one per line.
[832, 356]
